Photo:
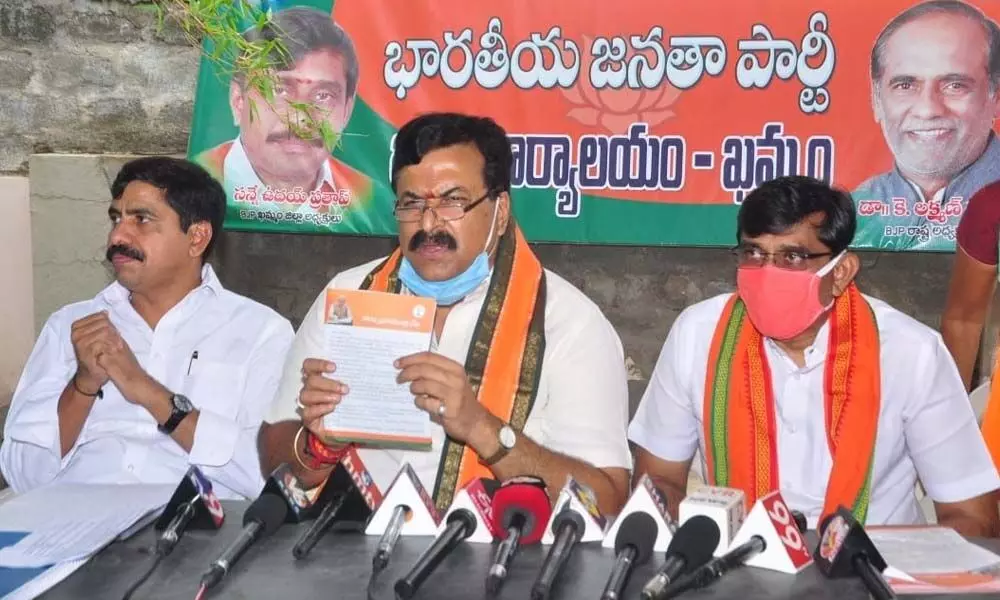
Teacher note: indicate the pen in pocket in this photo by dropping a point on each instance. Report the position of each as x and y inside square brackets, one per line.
[194, 357]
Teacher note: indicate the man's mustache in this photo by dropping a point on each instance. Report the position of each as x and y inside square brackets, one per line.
[287, 135]
[126, 251]
[438, 238]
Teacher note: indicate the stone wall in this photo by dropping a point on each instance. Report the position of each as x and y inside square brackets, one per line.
[91, 76]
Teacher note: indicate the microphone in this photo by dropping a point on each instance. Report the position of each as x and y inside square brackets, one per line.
[266, 514]
[691, 547]
[387, 543]
[633, 546]
[725, 506]
[845, 550]
[305, 544]
[521, 507]
[193, 505]
[407, 509]
[461, 523]
[645, 498]
[568, 526]
[348, 497]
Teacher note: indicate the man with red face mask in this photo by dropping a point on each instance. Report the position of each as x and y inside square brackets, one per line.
[799, 382]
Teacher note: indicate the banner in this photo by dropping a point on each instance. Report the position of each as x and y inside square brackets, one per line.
[642, 122]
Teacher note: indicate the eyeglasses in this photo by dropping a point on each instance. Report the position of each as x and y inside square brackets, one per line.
[749, 256]
[450, 208]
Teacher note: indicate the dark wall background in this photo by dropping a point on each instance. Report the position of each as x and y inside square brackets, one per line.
[641, 290]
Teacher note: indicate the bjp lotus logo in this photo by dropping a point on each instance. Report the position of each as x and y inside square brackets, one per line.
[615, 110]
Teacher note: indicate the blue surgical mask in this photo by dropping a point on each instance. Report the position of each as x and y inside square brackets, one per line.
[450, 291]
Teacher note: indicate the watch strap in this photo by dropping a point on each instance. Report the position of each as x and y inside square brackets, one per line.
[176, 416]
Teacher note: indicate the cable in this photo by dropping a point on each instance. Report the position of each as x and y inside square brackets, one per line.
[145, 576]
[201, 592]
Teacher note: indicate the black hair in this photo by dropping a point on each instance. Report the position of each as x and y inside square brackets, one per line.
[780, 204]
[302, 30]
[434, 131]
[190, 191]
[952, 7]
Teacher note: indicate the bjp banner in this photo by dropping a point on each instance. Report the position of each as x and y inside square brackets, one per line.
[642, 122]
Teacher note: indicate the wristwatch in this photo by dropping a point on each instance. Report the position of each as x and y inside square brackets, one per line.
[182, 407]
[507, 438]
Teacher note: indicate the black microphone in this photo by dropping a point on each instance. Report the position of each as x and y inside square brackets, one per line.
[461, 524]
[716, 568]
[522, 508]
[192, 506]
[262, 518]
[692, 546]
[347, 499]
[845, 550]
[633, 546]
[568, 527]
[319, 527]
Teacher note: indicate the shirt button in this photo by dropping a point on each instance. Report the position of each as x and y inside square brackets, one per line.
[131, 468]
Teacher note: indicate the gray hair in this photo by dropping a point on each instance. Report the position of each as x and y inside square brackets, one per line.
[951, 7]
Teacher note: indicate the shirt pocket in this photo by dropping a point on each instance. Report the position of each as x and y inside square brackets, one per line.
[217, 387]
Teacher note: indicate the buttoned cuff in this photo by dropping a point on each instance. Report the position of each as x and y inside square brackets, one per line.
[215, 438]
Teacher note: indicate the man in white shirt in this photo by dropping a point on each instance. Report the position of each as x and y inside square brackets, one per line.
[164, 368]
[798, 374]
[550, 401]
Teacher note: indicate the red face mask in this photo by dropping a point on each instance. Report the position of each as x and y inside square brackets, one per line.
[782, 303]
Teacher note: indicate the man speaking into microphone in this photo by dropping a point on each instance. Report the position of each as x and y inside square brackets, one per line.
[799, 382]
[525, 375]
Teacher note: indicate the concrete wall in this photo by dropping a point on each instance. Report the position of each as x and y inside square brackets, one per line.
[16, 308]
[91, 76]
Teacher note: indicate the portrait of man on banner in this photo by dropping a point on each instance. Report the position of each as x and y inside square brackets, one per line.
[935, 72]
[279, 161]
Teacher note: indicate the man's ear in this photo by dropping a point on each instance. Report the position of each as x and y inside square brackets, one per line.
[237, 102]
[199, 235]
[504, 212]
[845, 272]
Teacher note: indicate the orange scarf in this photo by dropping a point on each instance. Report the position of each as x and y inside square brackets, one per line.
[991, 418]
[505, 357]
[740, 431]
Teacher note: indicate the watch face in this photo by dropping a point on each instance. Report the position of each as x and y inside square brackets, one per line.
[507, 437]
[182, 403]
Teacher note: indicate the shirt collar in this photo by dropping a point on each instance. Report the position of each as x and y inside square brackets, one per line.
[116, 294]
[815, 354]
[240, 171]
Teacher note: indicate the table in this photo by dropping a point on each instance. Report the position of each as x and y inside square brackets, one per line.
[340, 564]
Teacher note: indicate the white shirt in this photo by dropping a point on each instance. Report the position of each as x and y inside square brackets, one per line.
[240, 345]
[926, 426]
[581, 409]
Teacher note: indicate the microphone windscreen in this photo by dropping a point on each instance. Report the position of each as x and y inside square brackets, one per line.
[466, 518]
[528, 500]
[566, 516]
[269, 510]
[639, 531]
[695, 540]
